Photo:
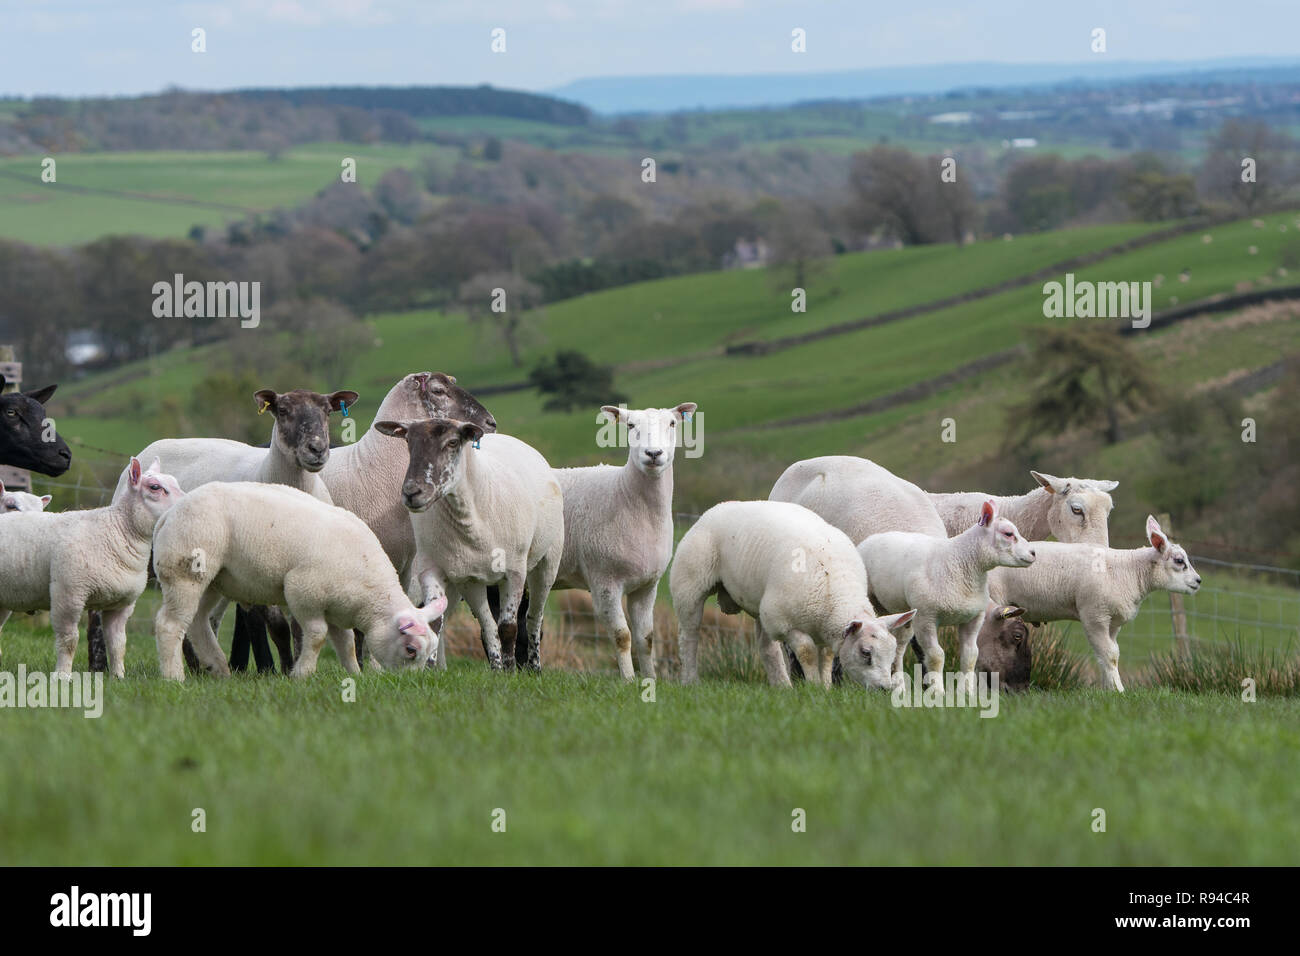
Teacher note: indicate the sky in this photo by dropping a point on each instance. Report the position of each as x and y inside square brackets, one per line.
[112, 47]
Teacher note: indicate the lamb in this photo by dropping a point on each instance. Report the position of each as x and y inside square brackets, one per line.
[618, 528]
[798, 577]
[13, 501]
[1102, 588]
[1069, 509]
[270, 545]
[859, 497]
[484, 510]
[96, 559]
[26, 438]
[944, 579]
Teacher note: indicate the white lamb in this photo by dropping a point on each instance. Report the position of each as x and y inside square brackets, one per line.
[944, 579]
[859, 497]
[798, 577]
[97, 559]
[14, 501]
[1069, 509]
[1102, 588]
[618, 528]
[484, 515]
[272, 545]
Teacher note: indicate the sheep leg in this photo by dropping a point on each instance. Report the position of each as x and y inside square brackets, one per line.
[507, 618]
[927, 632]
[65, 618]
[608, 601]
[540, 580]
[773, 653]
[314, 632]
[690, 610]
[641, 609]
[205, 638]
[1101, 635]
[968, 640]
[828, 665]
[180, 602]
[278, 629]
[440, 661]
[476, 598]
[345, 647]
[115, 639]
[809, 656]
[96, 652]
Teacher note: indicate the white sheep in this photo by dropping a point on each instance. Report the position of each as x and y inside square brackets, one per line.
[366, 477]
[859, 497]
[1102, 588]
[945, 580]
[1069, 509]
[268, 544]
[15, 501]
[618, 528]
[798, 577]
[97, 559]
[492, 514]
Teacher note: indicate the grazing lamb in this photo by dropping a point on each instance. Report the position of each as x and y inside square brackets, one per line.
[95, 559]
[945, 579]
[798, 577]
[1004, 646]
[618, 529]
[12, 501]
[484, 515]
[25, 440]
[859, 497]
[1069, 509]
[1102, 588]
[271, 545]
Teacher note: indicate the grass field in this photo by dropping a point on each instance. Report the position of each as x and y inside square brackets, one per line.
[587, 772]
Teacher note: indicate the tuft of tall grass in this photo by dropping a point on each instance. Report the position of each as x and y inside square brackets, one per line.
[1223, 667]
[1054, 666]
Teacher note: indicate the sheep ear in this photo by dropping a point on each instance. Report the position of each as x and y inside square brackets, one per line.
[341, 399]
[1047, 481]
[45, 499]
[986, 513]
[391, 429]
[434, 610]
[2, 487]
[613, 411]
[1009, 611]
[134, 469]
[852, 628]
[685, 409]
[265, 399]
[895, 621]
[155, 468]
[1156, 536]
[470, 432]
[1106, 485]
[40, 395]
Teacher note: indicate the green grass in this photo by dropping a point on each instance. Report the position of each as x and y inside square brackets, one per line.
[287, 773]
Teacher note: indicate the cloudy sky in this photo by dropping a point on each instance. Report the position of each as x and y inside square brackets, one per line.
[131, 46]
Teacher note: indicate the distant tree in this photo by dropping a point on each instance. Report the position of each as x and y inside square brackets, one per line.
[1088, 377]
[574, 381]
[400, 195]
[892, 188]
[505, 302]
[492, 150]
[1275, 165]
[1154, 194]
[798, 247]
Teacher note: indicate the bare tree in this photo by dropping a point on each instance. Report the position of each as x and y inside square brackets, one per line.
[507, 303]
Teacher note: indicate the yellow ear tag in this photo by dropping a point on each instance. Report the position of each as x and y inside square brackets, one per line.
[265, 406]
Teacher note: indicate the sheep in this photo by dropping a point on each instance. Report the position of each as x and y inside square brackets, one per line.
[484, 510]
[1069, 509]
[858, 496]
[1102, 588]
[618, 528]
[14, 501]
[272, 545]
[95, 559]
[798, 577]
[944, 579]
[27, 439]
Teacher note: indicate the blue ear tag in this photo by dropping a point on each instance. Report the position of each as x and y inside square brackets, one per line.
[343, 407]
[686, 416]
[476, 443]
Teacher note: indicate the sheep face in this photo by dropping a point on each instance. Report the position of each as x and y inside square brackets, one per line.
[408, 639]
[302, 423]
[437, 457]
[11, 501]
[1004, 647]
[1173, 570]
[156, 491]
[25, 439]
[869, 646]
[1001, 540]
[437, 395]
[1080, 508]
[653, 435]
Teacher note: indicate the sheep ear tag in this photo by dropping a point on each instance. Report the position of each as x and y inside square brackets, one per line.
[265, 406]
[476, 443]
[343, 407]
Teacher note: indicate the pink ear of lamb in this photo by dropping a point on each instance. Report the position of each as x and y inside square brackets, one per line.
[986, 514]
[409, 625]
[135, 472]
